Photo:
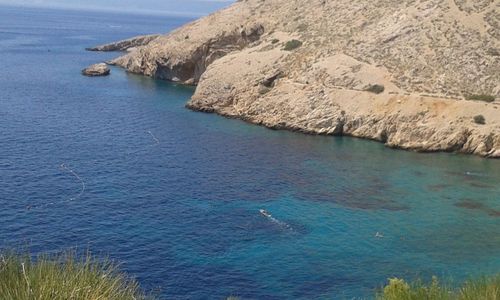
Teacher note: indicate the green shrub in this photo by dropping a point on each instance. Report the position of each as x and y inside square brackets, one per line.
[398, 289]
[482, 288]
[479, 119]
[375, 88]
[275, 41]
[481, 97]
[63, 276]
[293, 44]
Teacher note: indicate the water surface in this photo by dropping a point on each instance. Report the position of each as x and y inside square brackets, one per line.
[119, 166]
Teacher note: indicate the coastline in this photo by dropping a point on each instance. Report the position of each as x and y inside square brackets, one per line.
[246, 72]
[117, 165]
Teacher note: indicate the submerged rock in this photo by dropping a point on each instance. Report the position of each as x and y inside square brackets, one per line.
[97, 70]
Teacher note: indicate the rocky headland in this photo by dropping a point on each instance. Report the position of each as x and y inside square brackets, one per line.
[422, 75]
[125, 45]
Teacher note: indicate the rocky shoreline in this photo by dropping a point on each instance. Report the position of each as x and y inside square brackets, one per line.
[421, 76]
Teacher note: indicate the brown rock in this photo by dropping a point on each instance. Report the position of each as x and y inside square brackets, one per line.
[96, 70]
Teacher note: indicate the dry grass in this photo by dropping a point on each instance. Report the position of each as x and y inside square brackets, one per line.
[62, 277]
[485, 288]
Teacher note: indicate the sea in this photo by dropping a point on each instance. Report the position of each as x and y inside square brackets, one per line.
[119, 167]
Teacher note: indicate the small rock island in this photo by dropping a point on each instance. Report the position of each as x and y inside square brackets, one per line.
[97, 70]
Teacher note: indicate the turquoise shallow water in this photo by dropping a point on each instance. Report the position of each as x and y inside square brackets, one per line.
[119, 166]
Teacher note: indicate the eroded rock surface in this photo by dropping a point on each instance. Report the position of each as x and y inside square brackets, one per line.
[96, 70]
[127, 44]
[396, 71]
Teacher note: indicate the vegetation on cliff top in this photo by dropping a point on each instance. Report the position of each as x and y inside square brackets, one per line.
[485, 288]
[62, 277]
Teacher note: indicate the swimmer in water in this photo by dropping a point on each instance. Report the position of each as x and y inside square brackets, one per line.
[265, 213]
[379, 235]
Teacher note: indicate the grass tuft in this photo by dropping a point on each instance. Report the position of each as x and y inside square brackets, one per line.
[483, 288]
[63, 276]
[486, 288]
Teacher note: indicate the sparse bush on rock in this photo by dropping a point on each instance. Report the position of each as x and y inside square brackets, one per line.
[480, 97]
[479, 119]
[293, 44]
[375, 88]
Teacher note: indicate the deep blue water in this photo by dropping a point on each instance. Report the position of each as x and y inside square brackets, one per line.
[117, 165]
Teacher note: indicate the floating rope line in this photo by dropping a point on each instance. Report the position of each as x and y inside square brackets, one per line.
[7, 163]
[157, 141]
[82, 191]
[63, 166]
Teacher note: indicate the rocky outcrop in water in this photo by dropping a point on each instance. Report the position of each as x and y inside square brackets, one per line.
[96, 70]
[400, 72]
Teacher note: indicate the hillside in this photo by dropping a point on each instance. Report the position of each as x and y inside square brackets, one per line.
[422, 75]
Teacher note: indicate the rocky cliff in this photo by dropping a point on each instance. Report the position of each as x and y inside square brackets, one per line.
[414, 74]
[126, 45]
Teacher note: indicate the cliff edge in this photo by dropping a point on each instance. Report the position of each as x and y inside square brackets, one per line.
[422, 75]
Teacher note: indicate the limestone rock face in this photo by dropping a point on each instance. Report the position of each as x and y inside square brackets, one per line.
[184, 57]
[126, 44]
[396, 71]
[96, 70]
